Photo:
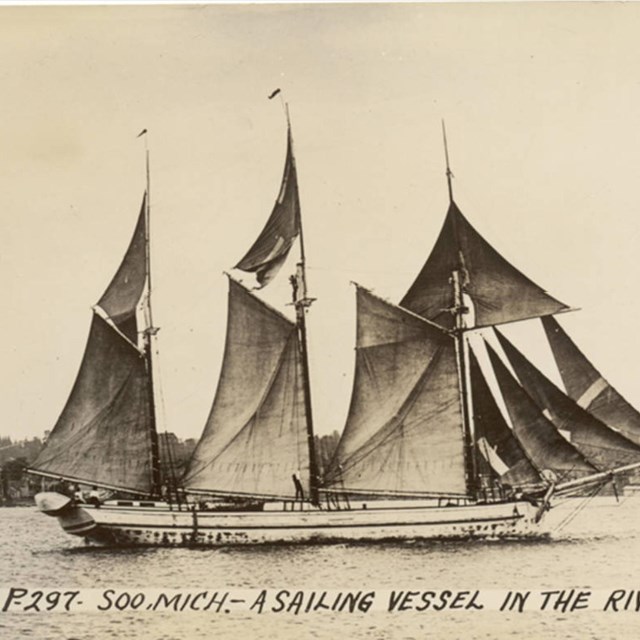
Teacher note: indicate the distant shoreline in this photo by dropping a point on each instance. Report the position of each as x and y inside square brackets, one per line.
[19, 502]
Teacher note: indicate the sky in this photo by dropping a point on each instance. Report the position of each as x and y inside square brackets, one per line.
[542, 108]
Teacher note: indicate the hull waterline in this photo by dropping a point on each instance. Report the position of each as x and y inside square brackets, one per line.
[156, 524]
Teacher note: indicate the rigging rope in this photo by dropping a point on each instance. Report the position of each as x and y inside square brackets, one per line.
[573, 514]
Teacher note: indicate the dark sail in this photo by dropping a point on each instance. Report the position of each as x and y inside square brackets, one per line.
[545, 447]
[103, 434]
[602, 446]
[404, 429]
[587, 387]
[494, 440]
[123, 294]
[271, 248]
[255, 438]
[500, 292]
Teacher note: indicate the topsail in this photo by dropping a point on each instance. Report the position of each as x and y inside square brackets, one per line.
[122, 296]
[500, 292]
[270, 250]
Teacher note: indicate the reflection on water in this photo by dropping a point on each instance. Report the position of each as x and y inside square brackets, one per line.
[599, 549]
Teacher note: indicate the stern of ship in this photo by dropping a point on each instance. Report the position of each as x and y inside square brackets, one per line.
[72, 517]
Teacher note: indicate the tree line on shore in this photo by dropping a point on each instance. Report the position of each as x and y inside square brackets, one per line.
[16, 455]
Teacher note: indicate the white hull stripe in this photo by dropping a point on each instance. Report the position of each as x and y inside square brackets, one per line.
[75, 528]
[498, 519]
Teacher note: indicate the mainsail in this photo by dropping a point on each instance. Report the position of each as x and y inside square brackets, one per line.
[500, 292]
[270, 250]
[403, 434]
[602, 446]
[587, 387]
[255, 438]
[104, 435]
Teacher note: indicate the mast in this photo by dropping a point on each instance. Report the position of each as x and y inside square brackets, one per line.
[446, 156]
[148, 336]
[301, 302]
[459, 310]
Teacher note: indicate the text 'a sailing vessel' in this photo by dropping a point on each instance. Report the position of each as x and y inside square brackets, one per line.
[451, 432]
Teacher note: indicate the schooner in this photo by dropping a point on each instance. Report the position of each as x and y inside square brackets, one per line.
[434, 446]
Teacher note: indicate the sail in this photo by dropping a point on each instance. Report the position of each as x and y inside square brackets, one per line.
[500, 292]
[602, 446]
[404, 429]
[270, 250]
[103, 434]
[494, 440]
[255, 438]
[123, 294]
[587, 387]
[544, 445]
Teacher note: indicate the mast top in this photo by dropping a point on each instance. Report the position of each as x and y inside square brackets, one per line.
[446, 156]
[150, 329]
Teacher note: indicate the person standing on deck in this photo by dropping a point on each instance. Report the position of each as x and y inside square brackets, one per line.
[298, 486]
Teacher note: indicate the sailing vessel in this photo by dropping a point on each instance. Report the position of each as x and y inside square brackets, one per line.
[443, 439]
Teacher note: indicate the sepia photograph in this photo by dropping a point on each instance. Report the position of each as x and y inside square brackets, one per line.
[320, 321]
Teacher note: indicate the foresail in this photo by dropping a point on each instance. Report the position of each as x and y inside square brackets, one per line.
[495, 442]
[255, 438]
[270, 250]
[544, 445]
[122, 296]
[103, 434]
[404, 429]
[587, 387]
[602, 446]
[500, 293]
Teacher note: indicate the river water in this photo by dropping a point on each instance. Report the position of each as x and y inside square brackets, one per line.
[598, 550]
